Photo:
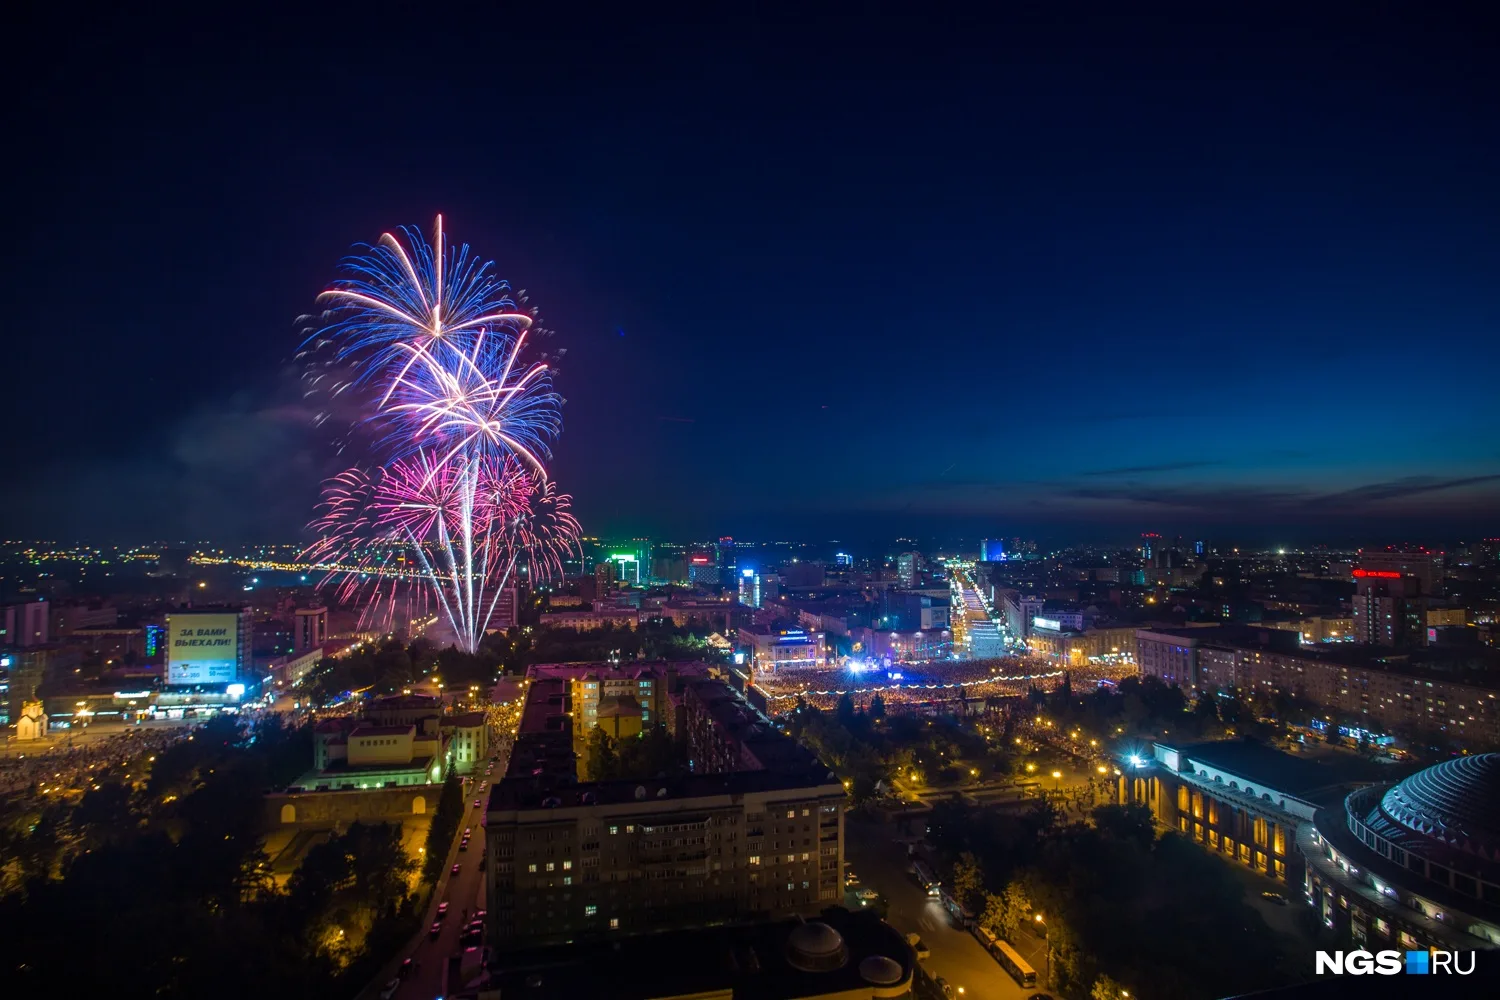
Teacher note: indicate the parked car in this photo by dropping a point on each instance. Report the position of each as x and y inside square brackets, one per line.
[453, 870]
[443, 909]
[405, 970]
[435, 930]
[923, 952]
[463, 845]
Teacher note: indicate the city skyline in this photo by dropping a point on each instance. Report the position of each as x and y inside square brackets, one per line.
[1043, 284]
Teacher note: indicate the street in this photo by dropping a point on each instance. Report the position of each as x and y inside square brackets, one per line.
[957, 956]
[464, 891]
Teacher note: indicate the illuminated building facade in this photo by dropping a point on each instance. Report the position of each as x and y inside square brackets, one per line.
[1241, 800]
[749, 588]
[772, 649]
[1412, 865]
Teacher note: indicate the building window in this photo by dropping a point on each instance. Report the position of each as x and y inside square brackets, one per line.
[590, 910]
[567, 880]
[614, 830]
[550, 866]
[791, 814]
[755, 859]
[567, 865]
[531, 868]
[614, 923]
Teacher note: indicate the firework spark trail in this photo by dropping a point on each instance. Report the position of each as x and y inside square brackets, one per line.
[437, 341]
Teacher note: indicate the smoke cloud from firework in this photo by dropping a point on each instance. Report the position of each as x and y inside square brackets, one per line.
[456, 502]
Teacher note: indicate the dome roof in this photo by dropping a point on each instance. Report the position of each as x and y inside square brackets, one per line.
[815, 947]
[878, 970]
[1456, 802]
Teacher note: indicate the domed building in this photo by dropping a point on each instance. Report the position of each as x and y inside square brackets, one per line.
[1415, 864]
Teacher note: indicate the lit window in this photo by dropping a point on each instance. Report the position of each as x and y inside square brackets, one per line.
[614, 923]
[755, 859]
[791, 814]
[567, 880]
[567, 865]
[550, 866]
[630, 828]
[590, 910]
[614, 830]
[531, 868]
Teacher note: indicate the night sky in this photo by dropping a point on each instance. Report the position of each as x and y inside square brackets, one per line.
[849, 277]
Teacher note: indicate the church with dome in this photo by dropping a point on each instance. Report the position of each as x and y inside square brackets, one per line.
[1415, 864]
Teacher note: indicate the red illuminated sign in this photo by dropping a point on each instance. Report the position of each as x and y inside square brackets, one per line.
[700, 560]
[1377, 574]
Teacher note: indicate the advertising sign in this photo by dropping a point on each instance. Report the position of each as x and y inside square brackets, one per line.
[203, 648]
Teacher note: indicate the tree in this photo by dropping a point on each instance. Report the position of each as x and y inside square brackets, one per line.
[968, 880]
[877, 707]
[1015, 910]
[845, 710]
[1106, 988]
[602, 762]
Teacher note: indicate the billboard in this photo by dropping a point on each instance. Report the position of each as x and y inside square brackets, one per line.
[203, 648]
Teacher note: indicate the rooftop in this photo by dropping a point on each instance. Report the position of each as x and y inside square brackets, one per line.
[366, 729]
[1261, 765]
[841, 954]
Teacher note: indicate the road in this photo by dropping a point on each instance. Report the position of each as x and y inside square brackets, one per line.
[881, 864]
[464, 891]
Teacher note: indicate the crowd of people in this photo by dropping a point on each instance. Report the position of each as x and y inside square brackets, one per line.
[59, 765]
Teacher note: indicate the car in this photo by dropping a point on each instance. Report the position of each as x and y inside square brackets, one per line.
[443, 909]
[476, 803]
[405, 970]
[1274, 897]
[435, 930]
[945, 988]
[867, 894]
[923, 952]
[467, 831]
[463, 845]
[454, 870]
[479, 914]
[390, 989]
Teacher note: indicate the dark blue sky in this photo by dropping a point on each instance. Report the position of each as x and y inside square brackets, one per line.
[1059, 272]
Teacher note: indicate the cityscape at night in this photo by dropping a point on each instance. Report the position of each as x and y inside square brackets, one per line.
[754, 504]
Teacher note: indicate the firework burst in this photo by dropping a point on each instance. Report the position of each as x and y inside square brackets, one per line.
[458, 502]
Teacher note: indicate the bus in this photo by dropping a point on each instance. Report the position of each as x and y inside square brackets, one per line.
[1012, 962]
[928, 880]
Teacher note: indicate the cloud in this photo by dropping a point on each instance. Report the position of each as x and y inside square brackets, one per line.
[1397, 489]
[1130, 470]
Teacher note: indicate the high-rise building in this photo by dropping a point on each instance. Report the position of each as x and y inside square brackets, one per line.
[25, 624]
[309, 629]
[703, 567]
[727, 559]
[749, 588]
[908, 564]
[1389, 609]
[992, 550]
[1426, 566]
[604, 579]
[507, 609]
